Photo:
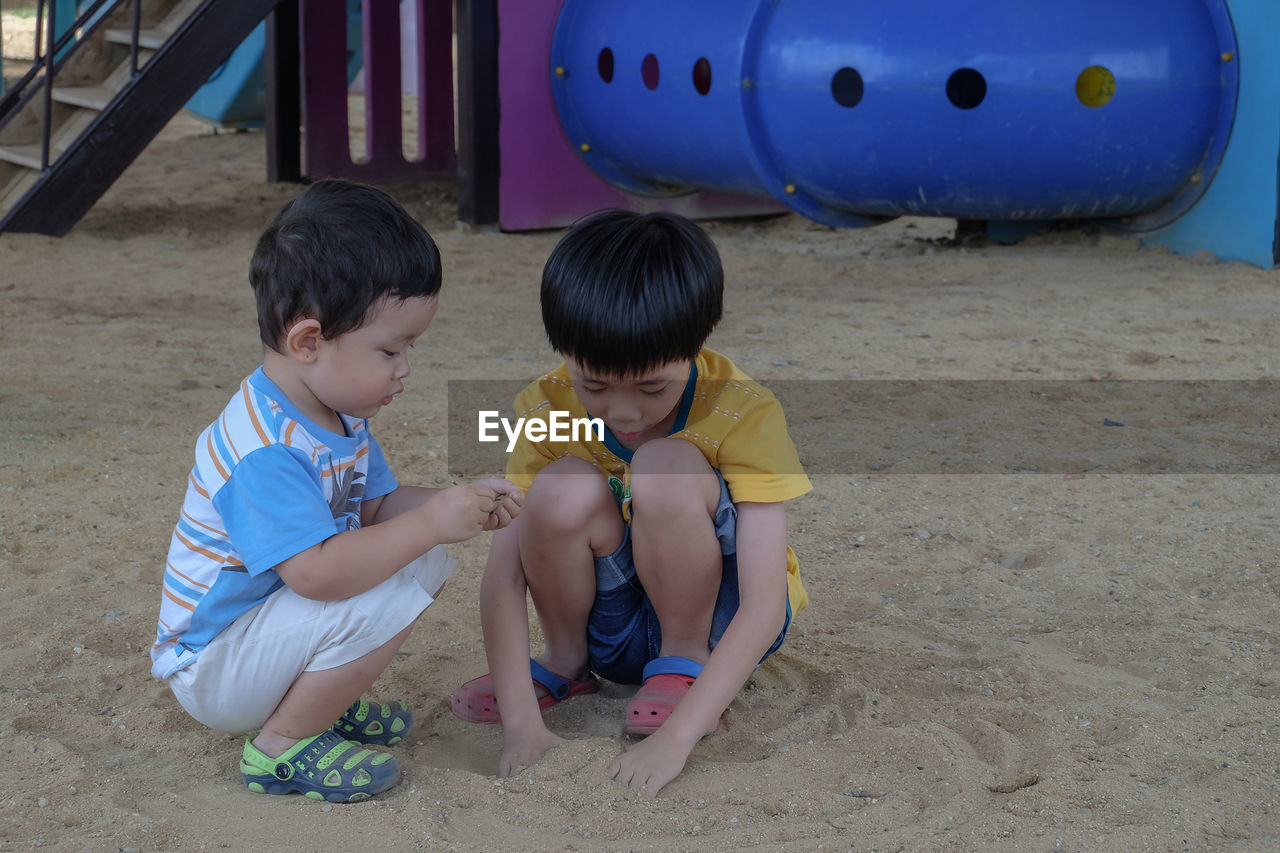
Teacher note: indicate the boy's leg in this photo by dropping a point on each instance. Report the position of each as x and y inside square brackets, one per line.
[674, 495]
[568, 519]
[318, 697]
[255, 674]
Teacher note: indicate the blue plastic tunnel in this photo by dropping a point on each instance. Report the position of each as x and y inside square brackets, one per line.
[851, 111]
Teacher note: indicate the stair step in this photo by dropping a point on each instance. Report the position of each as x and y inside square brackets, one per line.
[25, 155]
[150, 38]
[123, 73]
[90, 97]
[154, 37]
[68, 130]
[16, 189]
[89, 144]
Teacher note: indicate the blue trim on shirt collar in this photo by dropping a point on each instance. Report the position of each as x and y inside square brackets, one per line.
[682, 416]
[259, 380]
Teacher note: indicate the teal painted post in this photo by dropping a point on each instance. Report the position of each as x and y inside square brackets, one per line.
[65, 14]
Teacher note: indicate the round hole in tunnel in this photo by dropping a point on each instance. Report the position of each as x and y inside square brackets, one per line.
[846, 87]
[702, 76]
[649, 71]
[966, 88]
[604, 64]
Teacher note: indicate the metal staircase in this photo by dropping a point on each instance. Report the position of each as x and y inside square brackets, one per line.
[118, 75]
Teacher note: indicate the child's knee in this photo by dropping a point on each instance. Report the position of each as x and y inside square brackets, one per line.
[672, 476]
[565, 495]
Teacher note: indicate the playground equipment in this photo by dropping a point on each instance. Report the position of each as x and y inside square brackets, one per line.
[234, 96]
[875, 115]
[1011, 112]
[323, 35]
[75, 121]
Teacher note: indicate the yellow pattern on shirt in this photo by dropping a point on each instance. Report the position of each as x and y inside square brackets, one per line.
[737, 424]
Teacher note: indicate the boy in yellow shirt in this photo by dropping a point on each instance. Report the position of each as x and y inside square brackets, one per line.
[655, 550]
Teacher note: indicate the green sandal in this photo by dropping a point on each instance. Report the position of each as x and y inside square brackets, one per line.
[381, 723]
[324, 767]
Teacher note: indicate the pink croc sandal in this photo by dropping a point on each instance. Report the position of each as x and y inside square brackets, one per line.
[666, 681]
[475, 702]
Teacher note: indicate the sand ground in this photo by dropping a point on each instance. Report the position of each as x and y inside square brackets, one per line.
[1020, 662]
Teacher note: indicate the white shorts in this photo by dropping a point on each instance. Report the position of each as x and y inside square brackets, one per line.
[238, 680]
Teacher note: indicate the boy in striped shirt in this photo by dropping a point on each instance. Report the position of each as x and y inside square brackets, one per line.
[299, 564]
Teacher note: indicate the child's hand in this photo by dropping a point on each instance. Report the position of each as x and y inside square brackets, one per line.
[460, 512]
[519, 753]
[506, 503]
[650, 764]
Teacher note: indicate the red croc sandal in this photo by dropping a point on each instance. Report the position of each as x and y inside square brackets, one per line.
[666, 681]
[475, 702]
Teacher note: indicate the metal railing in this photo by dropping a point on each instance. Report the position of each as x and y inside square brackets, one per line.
[52, 52]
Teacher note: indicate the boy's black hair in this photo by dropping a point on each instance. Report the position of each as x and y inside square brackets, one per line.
[623, 292]
[333, 253]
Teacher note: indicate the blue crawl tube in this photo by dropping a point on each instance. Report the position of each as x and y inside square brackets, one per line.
[852, 112]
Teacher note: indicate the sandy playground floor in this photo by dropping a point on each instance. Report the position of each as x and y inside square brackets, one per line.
[1019, 662]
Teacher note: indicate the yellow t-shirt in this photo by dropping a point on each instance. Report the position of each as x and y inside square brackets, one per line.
[737, 424]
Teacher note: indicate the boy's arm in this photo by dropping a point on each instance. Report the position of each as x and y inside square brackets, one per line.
[504, 619]
[762, 587]
[404, 498]
[353, 561]
[398, 501]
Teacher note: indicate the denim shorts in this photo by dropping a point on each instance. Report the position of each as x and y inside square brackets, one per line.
[623, 633]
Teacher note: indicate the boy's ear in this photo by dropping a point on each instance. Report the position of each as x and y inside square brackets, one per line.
[302, 341]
